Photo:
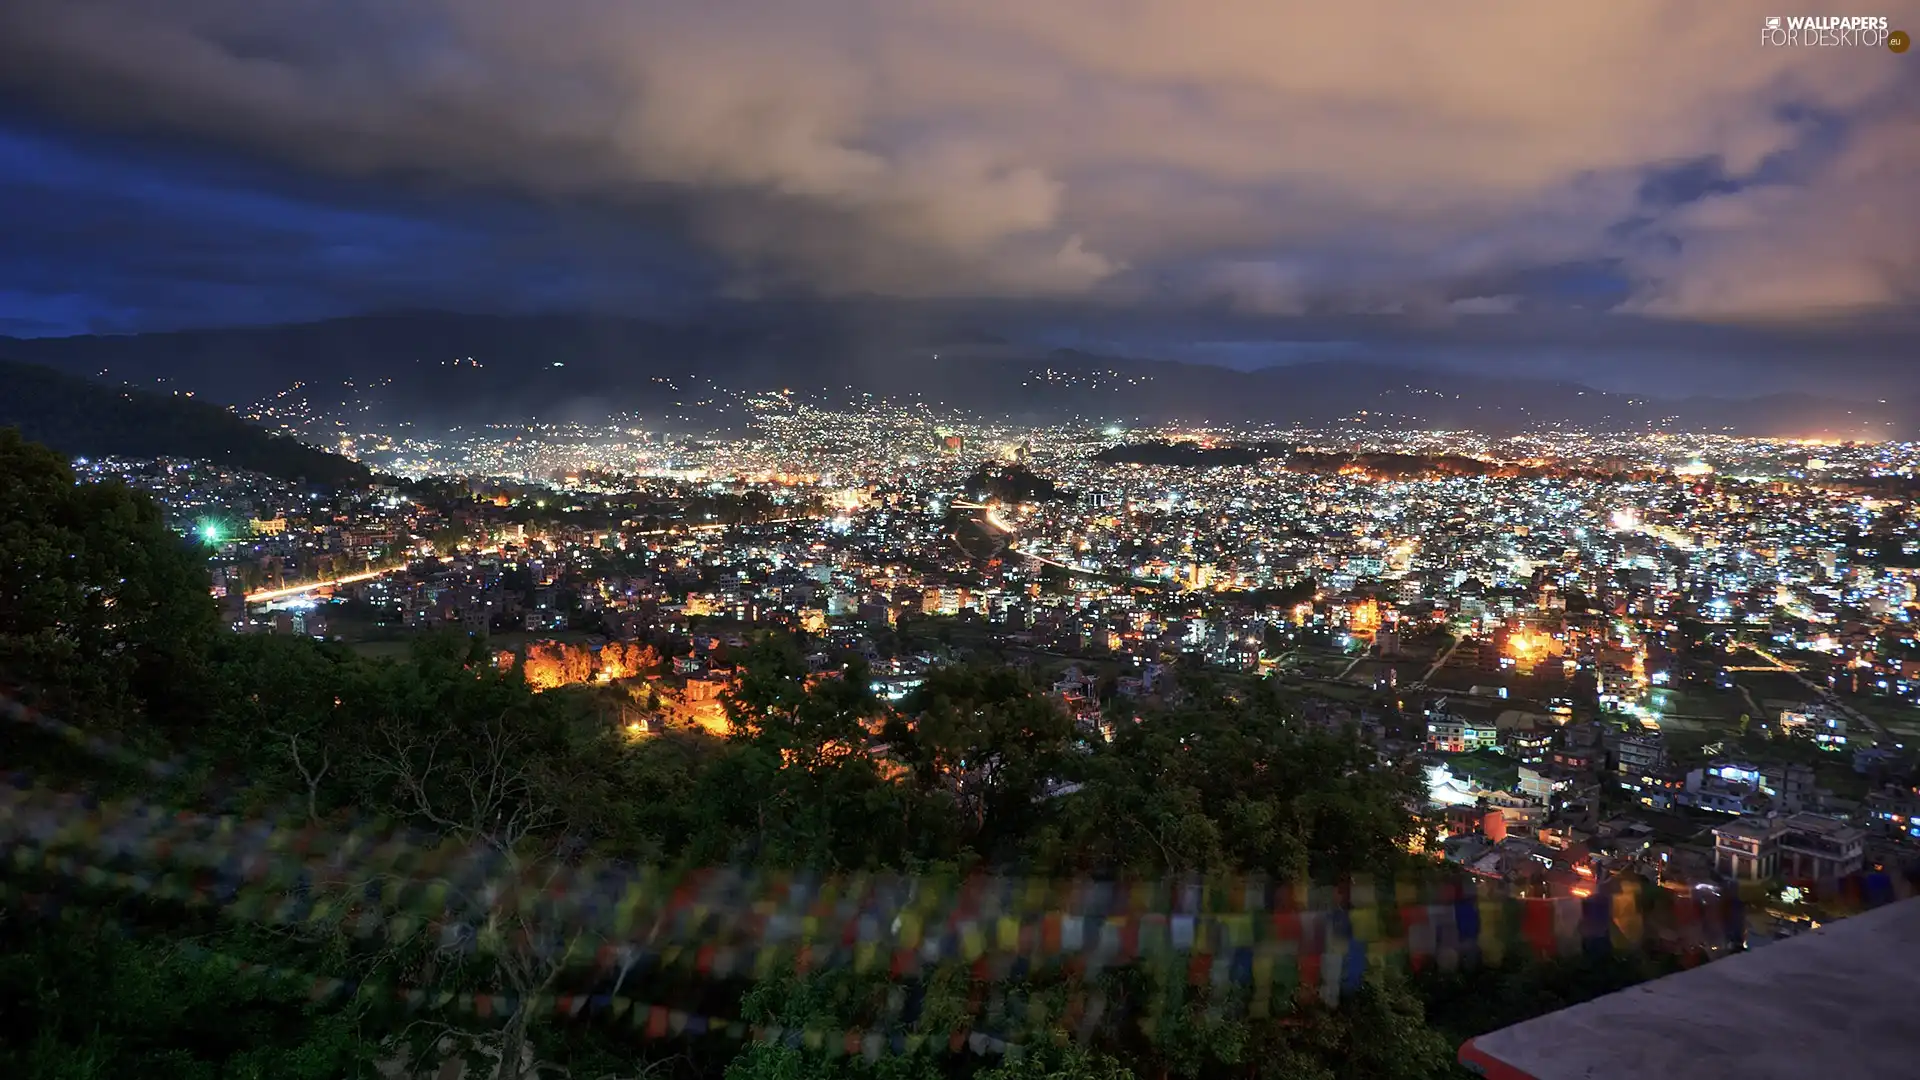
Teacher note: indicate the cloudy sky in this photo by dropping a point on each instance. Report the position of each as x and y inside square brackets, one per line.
[1325, 177]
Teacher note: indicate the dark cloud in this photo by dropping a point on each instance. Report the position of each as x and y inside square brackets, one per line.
[1573, 190]
[1293, 158]
[103, 235]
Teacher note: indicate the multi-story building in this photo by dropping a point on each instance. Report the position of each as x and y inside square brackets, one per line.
[1804, 847]
[1454, 734]
[1814, 848]
[1639, 755]
[1895, 812]
[1657, 789]
[1747, 849]
[1529, 740]
[1722, 793]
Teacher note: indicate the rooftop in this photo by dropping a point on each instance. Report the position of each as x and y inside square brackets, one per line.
[1834, 1002]
[1814, 824]
[1747, 828]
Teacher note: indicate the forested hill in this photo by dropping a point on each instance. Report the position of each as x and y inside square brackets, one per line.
[438, 369]
[81, 418]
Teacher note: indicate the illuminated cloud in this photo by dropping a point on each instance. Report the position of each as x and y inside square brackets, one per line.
[1288, 157]
[1485, 305]
[1842, 238]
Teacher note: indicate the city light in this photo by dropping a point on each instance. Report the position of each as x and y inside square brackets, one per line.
[1442, 602]
[1528, 645]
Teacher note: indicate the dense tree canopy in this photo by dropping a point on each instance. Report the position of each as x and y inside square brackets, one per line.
[103, 610]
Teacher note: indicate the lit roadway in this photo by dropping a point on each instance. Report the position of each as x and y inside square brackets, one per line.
[1827, 695]
[993, 519]
[267, 595]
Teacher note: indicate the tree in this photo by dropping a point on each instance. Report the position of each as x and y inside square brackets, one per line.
[448, 743]
[103, 609]
[80, 1003]
[1223, 786]
[552, 664]
[988, 736]
[279, 720]
[627, 659]
[798, 785]
[1273, 641]
[461, 749]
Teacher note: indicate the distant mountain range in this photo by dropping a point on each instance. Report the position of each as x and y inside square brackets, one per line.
[82, 418]
[439, 370]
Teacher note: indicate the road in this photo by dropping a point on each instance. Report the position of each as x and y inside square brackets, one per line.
[1353, 663]
[265, 595]
[285, 591]
[1440, 663]
[1879, 733]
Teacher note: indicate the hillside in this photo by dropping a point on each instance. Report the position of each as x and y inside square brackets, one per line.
[444, 370]
[83, 418]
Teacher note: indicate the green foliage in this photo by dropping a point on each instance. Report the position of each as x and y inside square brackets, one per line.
[990, 739]
[103, 609]
[1470, 1001]
[1228, 786]
[80, 1004]
[1058, 1063]
[797, 786]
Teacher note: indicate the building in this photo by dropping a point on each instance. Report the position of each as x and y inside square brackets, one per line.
[1729, 787]
[1658, 789]
[1573, 760]
[1804, 847]
[1747, 849]
[1446, 733]
[361, 541]
[1814, 848]
[1540, 784]
[1454, 733]
[1739, 787]
[1640, 754]
[1526, 736]
[1818, 721]
[1895, 812]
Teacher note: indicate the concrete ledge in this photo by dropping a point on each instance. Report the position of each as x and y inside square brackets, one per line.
[1841, 1001]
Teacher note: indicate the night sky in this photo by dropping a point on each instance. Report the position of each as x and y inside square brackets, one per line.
[1618, 191]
